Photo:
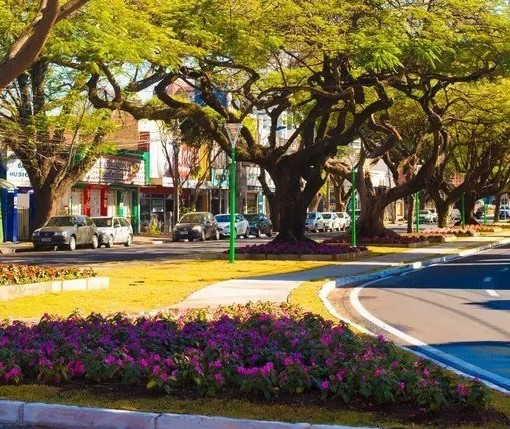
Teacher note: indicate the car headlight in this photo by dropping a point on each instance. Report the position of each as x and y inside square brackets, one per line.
[61, 233]
[36, 233]
[197, 228]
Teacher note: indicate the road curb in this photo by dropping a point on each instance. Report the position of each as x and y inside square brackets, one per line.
[393, 271]
[72, 417]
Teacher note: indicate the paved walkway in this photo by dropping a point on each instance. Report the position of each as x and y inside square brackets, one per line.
[276, 288]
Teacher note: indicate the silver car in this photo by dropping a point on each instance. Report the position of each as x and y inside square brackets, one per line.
[242, 226]
[66, 232]
[113, 230]
[314, 222]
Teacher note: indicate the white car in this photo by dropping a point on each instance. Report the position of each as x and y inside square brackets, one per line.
[344, 220]
[331, 221]
[242, 225]
[314, 222]
[455, 214]
[113, 230]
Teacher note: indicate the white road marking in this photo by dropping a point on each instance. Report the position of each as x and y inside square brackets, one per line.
[441, 357]
[492, 293]
[487, 279]
[504, 269]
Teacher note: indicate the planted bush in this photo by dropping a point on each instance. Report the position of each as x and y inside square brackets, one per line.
[308, 248]
[258, 350]
[380, 239]
[23, 274]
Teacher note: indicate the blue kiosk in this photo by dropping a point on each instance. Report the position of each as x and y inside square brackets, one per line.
[8, 212]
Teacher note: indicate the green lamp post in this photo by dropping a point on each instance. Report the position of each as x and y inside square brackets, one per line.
[233, 130]
[417, 210]
[353, 151]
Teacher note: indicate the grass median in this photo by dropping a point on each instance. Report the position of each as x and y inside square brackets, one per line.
[136, 287]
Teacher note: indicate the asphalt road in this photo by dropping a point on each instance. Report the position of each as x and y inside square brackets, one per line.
[119, 253]
[461, 308]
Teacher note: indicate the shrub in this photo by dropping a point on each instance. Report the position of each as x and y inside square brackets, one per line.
[381, 239]
[22, 274]
[307, 248]
[261, 350]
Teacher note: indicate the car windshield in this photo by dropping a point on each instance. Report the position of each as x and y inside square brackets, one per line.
[341, 215]
[102, 221]
[192, 218]
[60, 221]
[251, 217]
[326, 215]
[311, 216]
[222, 218]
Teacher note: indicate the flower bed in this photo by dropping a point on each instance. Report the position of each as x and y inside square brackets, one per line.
[307, 248]
[432, 236]
[23, 274]
[406, 241]
[256, 351]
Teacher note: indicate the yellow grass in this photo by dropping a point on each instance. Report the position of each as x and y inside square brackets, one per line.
[138, 286]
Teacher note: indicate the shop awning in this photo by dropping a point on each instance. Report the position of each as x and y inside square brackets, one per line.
[4, 184]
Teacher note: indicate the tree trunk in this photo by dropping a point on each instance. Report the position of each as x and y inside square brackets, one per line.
[497, 208]
[314, 205]
[47, 203]
[442, 213]
[469, 208]
[289, 207]
[371, 219]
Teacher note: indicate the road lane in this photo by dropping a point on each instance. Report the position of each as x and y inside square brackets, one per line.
[461, 308]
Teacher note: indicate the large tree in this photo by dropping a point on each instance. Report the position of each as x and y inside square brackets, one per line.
[45, 115]
[21, 49]
[323, 68]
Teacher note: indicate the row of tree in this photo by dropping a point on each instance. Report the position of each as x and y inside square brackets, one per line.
[422, 83]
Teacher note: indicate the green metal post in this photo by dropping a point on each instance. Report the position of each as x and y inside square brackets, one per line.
[484, 212]
[462, 212]
[417, 211]
[353, 208]
[232, 248]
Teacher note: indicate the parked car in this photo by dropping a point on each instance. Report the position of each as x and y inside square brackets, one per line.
[113, 230]
[425, 216]
[259, 224]
[199, 225]
[242, 225]
[314, 222]
[66, 232]
[455, 214]
[504, 214]
[434, 214]
[344, 220]
[331, 221]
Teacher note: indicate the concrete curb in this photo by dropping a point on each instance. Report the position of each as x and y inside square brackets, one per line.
[393, 271]
[72, 417]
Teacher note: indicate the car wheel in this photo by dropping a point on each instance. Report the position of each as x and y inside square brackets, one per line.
[258, 233]
[109, 243]
[216, 235]
[247, 232]
[95, 242]
[129, 241]
[202, 235]
[270, 233]
[72, 243]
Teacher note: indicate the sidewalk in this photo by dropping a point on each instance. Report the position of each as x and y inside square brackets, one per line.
[276, 288]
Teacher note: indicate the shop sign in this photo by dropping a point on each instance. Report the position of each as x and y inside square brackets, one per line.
[219, 177]
[127, 171]
[16, 173]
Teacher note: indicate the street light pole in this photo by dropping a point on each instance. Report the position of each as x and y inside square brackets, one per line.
[484, 211]
[462, 212]
[353, 151]
[417, 211]
[233, 130]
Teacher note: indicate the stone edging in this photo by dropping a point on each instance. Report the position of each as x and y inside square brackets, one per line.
[8, 292]
[72, 417]
[289, 257]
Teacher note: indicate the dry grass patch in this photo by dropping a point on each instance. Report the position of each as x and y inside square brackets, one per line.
[136, 287]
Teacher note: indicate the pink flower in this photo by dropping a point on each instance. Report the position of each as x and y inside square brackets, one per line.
[110, 360]
[163, 376]
[12, 373]
[156, 370]
[402, 385]
[462, 390]
[219, 379]
[325, 385]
